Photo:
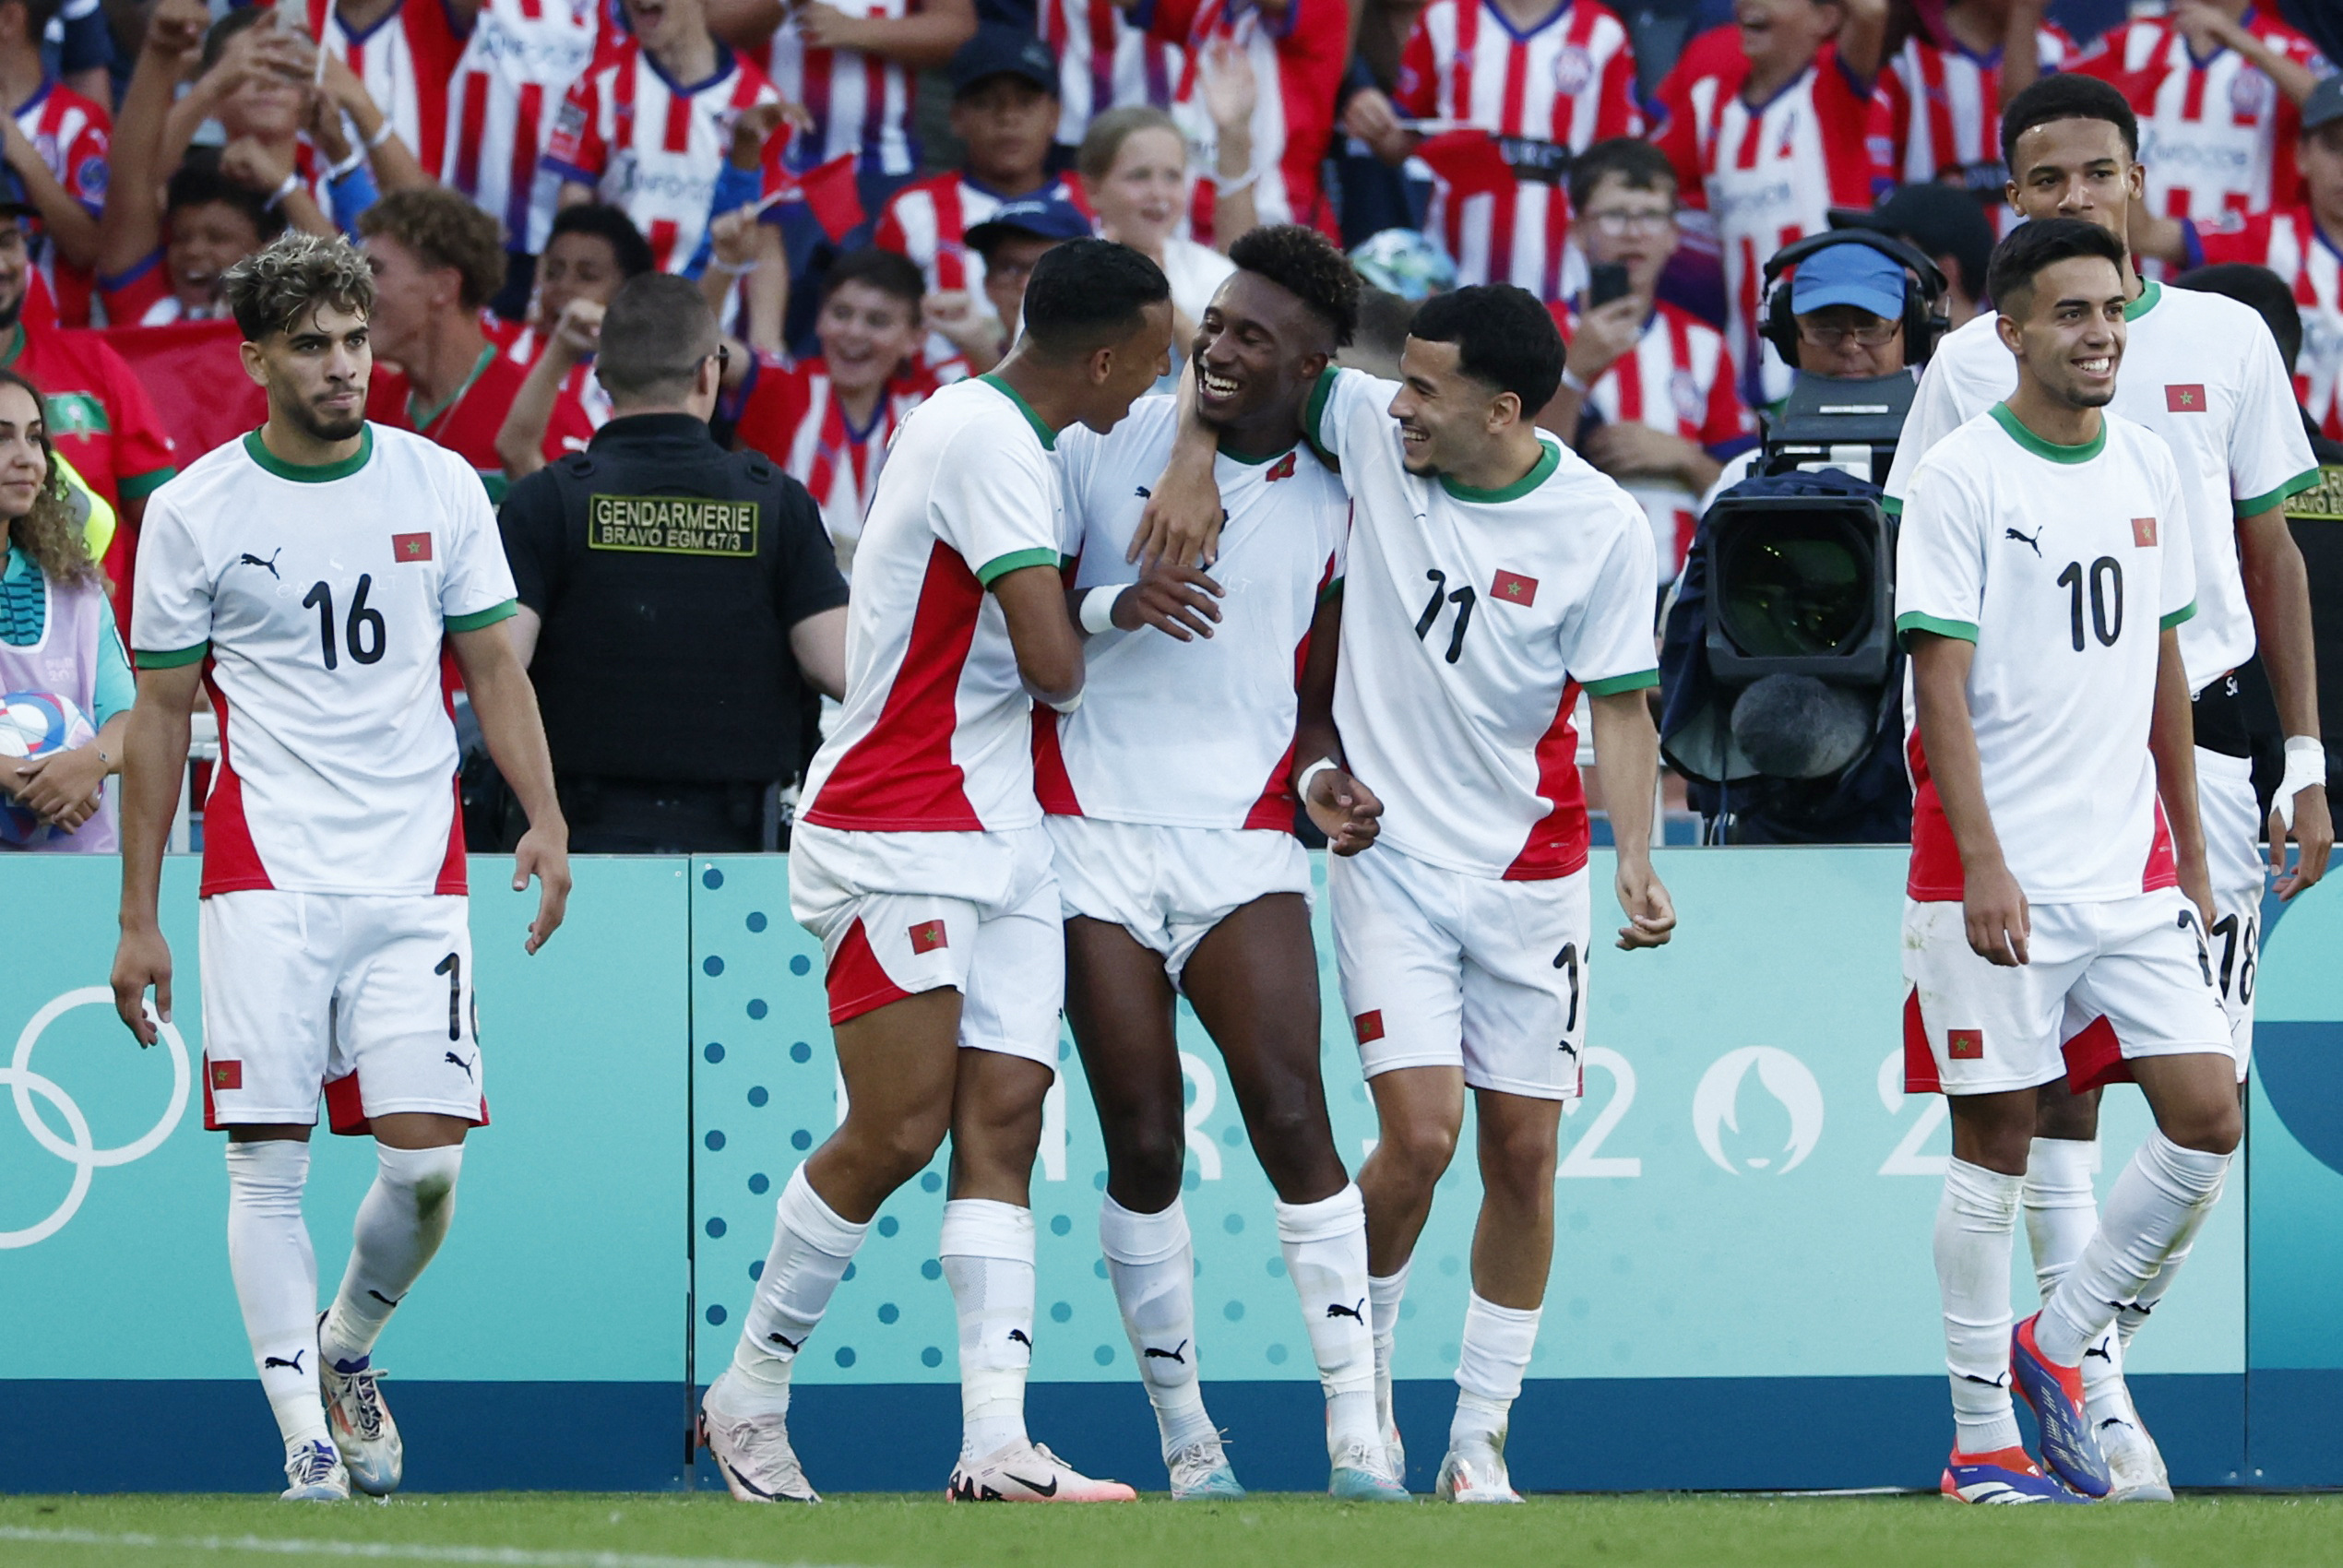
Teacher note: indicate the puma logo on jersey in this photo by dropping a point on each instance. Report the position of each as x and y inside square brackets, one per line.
[1152, 1354]
[455, 1061]
[2034, 542]
[1568, 1049]
[1144, 493]
[268, 565]
[1357, 1314]
[271, 1363]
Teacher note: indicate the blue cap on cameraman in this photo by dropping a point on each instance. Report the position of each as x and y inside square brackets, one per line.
[998, 51]
[1047, 218]
[1851, 274]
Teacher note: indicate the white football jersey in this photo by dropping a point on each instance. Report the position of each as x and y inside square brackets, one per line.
[935, 736]
[2063, 565]
[2199, 370]
[322, 597]
[1471, 620]
[1194, 734]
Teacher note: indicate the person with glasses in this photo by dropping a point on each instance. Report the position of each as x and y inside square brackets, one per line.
[1649, 393]
[658, 573]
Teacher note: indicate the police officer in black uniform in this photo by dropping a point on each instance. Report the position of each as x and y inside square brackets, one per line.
[677, 600]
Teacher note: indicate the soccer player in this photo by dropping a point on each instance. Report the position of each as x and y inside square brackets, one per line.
[1767, 144]
[1462, 938]
[310, 577]
[2202, 373]
[2058, 865]
[1171, 796]
[1648, 391]
[920, 862]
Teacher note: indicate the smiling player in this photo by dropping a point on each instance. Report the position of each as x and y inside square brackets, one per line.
[1171, 796]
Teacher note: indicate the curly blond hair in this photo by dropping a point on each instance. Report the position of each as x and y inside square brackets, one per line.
[274, 288]
[51, 533]
[443, 229]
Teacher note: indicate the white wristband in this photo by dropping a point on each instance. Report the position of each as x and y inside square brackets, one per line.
[383, 133]
[1098, 608]
[1570, 380]
[2305, 766]
[1068, 705]
[1309, 774]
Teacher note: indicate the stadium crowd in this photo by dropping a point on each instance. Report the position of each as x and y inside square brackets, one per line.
[860, 189]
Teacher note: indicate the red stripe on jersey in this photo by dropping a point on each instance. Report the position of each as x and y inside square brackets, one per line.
[451, 865]
[1557, 844]
[662, 237]
[2095, 1058]
[1276, 807]
[900, 776]
[2161, 870]
[675, 135]
[1920, 1063]
[473, 131]
[346, 1107]
[856, 982]
[1053, 785]
[231, 863]
[1936, 872]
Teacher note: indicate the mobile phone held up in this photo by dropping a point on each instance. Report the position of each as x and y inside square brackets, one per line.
[1606, 281]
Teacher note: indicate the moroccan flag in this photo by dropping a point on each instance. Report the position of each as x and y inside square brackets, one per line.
[1368, 1027]
[1965, 1045]
[1466, 161]
[927, 936]
[411, 547]
[2188, 398]
[2144, 532]
[1514, 588]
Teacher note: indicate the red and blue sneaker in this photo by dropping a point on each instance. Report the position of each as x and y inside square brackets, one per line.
[2056, 1394]
[2006, 1475]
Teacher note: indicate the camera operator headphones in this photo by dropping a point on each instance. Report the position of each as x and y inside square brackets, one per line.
[1924, 319]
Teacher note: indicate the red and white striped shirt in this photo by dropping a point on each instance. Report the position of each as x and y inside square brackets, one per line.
[405, 59]
[1544, 94]
[1303, 53]
[522, 56]
[581, 404]
[1938, 112]
[1106, 60]
[2291, 244]
[1767, 175]
[1678, 379]
[71, 135]
[865, 104]
[2216, 134]
[792, 415]
[653, 146]
[928, 219]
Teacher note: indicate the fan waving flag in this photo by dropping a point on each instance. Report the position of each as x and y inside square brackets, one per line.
[826, 190]
[1469, 163]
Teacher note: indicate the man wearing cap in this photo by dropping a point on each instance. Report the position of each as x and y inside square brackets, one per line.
[1004, 107]
[1944, 224]
[101, 420]
[1006, 246]
[2301, 244]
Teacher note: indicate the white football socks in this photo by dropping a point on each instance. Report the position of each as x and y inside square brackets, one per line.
[1975, 1220]
[1325, 1252]
[1152, 1265]
[1383, 1297]
[987, 1253]
[811, 1249]
[2061, 1208]
[276, 1275]
[2151, 1218]
[401, 1221]
[1497, 1342]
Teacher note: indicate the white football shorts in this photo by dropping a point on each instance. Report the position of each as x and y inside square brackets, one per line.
[1443, 969]
[368, 997]
[1168, 886]
[2141, 964]
[900, 913]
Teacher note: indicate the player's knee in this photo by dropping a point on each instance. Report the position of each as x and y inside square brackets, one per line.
[1418, 1149]
[2216, 1127]
[902, 1149]
[2073, 1117]
[1146, 1161]
[1517, 1168]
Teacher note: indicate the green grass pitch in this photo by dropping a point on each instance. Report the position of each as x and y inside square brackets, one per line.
[705, 1530]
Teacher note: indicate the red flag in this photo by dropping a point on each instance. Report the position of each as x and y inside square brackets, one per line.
[1368, 1027]
[928, 935]
[227, 1075]
[411, 547]
[197, 379]
[2187, 399]
[1965, 1045]
[2144, 532]
[1466, 161]
[1514, 588]
[828, 191]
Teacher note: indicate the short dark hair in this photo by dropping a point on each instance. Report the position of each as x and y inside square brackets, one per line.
[889, 271]
[444, 230]
[2259, 289]
[2033, 246]
[610, 225]
[1639, 165]
[2066, 95]
[1085, 294]
[197, 182]
[1504, 338]
[1306, 265]
[216, 38]
[655, 336]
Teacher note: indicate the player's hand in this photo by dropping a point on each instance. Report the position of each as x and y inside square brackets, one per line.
[1344, 810]
[142, 960]
[1181, 522]
[543, 854]
[2314, 839]
[61, 785]
[1998, 920]
[1175, 600]
[1604, 335]
[1651, 914]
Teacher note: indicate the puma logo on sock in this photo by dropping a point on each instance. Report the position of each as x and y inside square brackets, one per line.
[1357, 1314]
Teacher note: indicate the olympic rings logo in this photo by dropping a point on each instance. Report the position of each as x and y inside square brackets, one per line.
[84, 1155]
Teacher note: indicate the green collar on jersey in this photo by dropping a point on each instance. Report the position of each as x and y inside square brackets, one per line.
[2149, 294]
[1263, 458]
[15, 348]
[311, 473]
[2054, 451]
[1548, 460]
[1049, 437]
